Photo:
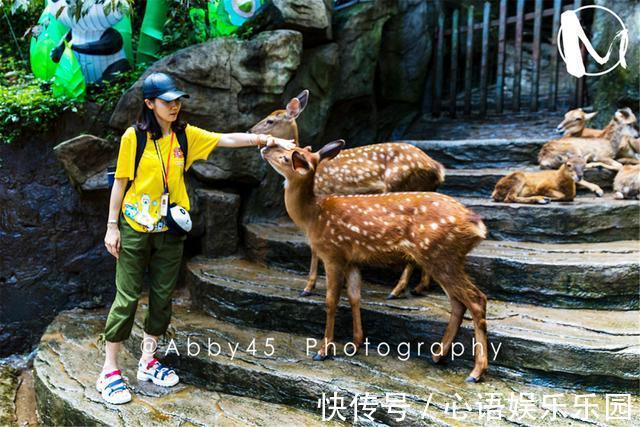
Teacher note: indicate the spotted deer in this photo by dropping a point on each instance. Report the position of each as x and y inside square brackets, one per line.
[377, 168]
[574, 124]
[542, 186]
[597, 152]
[431, 229]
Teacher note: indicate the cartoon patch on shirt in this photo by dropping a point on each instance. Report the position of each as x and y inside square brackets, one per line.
[178, 156]
[143, 217]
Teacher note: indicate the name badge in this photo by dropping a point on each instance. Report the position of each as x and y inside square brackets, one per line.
[164, 204]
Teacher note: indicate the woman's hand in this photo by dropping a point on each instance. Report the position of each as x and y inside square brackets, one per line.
[112, 240]
[287, 144]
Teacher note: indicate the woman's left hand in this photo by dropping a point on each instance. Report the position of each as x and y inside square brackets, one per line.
[287, 144]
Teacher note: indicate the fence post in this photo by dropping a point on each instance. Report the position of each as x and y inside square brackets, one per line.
[553, 87]
[454, 64]
[468, 62]
[483, 62]
[518, 56]
[502, 39]
[535, 75]
[439, 64]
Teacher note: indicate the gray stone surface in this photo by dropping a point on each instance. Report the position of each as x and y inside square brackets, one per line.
[66, 393]
[406, 50]
[231, 165]
[588, 346]
[233, 83]
[220, 212]
[310, 17]
[594, 275]
[85, 158]
[8, 389]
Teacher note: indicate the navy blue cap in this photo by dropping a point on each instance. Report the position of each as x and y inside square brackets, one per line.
[161, 85]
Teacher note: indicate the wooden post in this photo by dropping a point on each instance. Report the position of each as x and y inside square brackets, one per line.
[483, 61]
[518, 57]
[578, 88]
[502, 39]
[439, 64]
[553, 87]
[469, 60]
[454, 64]
[535, 75]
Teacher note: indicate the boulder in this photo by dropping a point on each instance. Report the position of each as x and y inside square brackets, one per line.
[358, 32]
[220, 212]
[8, 388]
[310, 17]
[85, 158]
[621, 86]
[240, 165]
[233, 83]
[318, 72]
[405, 51]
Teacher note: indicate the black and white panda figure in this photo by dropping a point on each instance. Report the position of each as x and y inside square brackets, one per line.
[97, 45]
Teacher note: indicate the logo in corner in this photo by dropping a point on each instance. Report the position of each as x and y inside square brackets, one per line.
[571, 34]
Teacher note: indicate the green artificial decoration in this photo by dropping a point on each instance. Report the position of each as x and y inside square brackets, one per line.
[49, 32]
[68, 79]
[124, 28]
[151, 31]
[197, 17]
[226, 16]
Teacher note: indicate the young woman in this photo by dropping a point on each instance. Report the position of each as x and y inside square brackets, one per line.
[137, 230]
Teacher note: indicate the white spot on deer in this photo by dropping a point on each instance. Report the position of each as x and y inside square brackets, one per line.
[436, 203]
[451, 219]
[434, 226]
[355, 228]
[405, 167]
[442, 221]
[423, 208]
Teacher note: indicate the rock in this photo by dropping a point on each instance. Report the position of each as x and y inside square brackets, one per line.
[318, 72]
[85, 158]
[620, 87]
[358, 32]
[239, 165]
[576, 346]
[221, 213]
[310, 17]
[8, 390]
[267, 200]
[405, 51]
[354, 120]
[232, 83]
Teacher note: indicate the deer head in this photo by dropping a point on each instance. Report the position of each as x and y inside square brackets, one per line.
[575, 167]
[282, 123]
[574, 122]
[299, 163]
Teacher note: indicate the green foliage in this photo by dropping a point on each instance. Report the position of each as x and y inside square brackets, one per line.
[27, 105]
[108, 93]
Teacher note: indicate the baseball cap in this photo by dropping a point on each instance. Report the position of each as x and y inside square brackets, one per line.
[161, 85]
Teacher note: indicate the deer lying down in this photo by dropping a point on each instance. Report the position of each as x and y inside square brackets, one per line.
[574, 124]
[431, 229]
[542, 186]
[597, 152]
[626, 185]
[377, 168]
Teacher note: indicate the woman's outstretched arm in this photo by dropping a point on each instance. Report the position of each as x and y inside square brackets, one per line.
[237, 140]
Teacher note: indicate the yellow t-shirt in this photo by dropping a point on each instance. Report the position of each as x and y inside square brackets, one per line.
[141, 203]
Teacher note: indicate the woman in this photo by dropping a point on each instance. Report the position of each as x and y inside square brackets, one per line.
[137, 233]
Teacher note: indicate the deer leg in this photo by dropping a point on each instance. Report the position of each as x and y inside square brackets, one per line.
[335, 277]
[457, 312]
[476, 301]
[402, 283]
[557, 195]
[529, 200]
[425, 283]
[313, 276]
[591, 187]
[607, 164]
[354, 285]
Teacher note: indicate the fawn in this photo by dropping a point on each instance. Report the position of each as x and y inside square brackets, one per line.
[574, 124]
[626, 185]
[542, 186]
[597, 152]
[433, 230]
[377, 168]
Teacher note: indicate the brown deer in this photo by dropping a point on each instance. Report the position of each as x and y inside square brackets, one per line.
[626, 185]
[377, 168]
[597, 152]
[433, 230]
[574, 124]
[541, 187]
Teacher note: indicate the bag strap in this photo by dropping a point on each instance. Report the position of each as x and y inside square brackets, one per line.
[184, 146]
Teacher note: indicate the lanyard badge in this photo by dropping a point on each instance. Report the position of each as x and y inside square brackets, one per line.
[164, 199]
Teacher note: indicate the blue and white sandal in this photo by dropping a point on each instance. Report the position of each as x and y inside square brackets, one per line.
[113, 388]
[158, 373]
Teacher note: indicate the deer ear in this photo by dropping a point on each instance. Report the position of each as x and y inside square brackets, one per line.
[331, 150]
[293, 108]
[590, 115]
[299, 163]
[308, 148]
[303, 97]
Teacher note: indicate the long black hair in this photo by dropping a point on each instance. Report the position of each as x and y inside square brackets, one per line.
[146, 122]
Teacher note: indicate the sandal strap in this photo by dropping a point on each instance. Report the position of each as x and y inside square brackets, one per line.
[115, 383]
[113, 390]
[112, 373]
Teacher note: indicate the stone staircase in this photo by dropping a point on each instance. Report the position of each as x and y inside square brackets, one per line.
[563, 318]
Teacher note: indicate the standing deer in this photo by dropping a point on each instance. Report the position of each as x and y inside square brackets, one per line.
[597, 152]
[542, 186]
[377, 168]
[574, 124]
[431, 229]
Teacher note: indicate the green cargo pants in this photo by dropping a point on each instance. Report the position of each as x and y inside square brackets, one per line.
[162, 254]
